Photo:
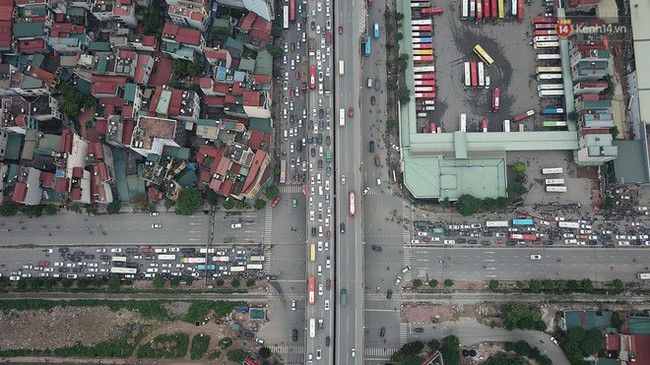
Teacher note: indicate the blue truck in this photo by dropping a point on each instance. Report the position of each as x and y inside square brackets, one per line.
[547, 111]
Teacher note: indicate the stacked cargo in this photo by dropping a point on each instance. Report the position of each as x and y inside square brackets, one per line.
[423, 61]
[490, 9]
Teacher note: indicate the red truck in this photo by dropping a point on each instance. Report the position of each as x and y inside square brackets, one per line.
[523, 116]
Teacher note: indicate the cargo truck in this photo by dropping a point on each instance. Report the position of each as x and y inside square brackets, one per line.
[311, 47]
[547, 111]
[522, 116]
[327, 85]
[209, 267]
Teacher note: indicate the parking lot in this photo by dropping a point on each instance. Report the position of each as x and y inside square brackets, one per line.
[507, 42]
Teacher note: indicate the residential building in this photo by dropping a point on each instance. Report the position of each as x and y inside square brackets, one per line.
[151, 134]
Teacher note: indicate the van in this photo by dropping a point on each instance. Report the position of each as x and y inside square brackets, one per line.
[344, 297]
[369, 83]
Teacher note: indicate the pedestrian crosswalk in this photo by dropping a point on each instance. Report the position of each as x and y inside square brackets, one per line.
[290, 189]
[407, 262]
[406, 229]
[284, 349]
[268, 228]
[403, 332]
[379, 352]
[377, 191]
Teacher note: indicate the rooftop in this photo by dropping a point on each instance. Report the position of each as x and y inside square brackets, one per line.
[149, 128]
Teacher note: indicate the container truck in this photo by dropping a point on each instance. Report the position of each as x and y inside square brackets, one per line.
[422, 45]
[496, 94]
[422, 59]
[549, 77]
[539, 45]
[422, 40]
[553, 124]
[550, 93]
[522, 116]
[474, 73]
[547, 111]
[486, 9]
[481, 74]
[484, 125]
[550, 87]
[327, 85]
[312, 53]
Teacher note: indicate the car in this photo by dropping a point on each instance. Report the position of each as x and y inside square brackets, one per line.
[327, 304]
[236, 225]
[71, 276]
[354, 352]
[14, 278]
[382, 332]
[535, 257]
[449, 242]
[418, 329]
[350, 112]
[366, 190]
[340, 30]
[342, 227]
[371, 146]
[327, 341]
[329, 235]
[328, 284]
[156, 225]
[100, 250]
[376, 248]
[328, 263]
[553, 340]
[259, 341]
[398, 280]
[406, 269]
[320, 289]
[343, 179]
[294, 335]
[116, 250]
[154, 214]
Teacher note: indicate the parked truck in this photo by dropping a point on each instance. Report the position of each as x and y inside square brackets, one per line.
[522, 116]
[547, 111]
[312, 53]
[327, 85]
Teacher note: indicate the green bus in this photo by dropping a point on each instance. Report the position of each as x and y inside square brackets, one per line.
[553, 124]
[329, 156]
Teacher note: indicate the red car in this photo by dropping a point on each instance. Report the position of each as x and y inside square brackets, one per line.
[351, 112]
[275, 202]
[43, 263]
[147, 250]
[340, 30]
[329, 234]
[297, 75]
[378, 162]
[328, 283]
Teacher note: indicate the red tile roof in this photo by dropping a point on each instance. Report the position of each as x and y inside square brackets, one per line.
[5, 34]
[262, 79]
[62, 185]
[221, 88]
[20, 190]
[248, 20]
[66, 141]
[30, 2]
[254, 169]
[149, 41]
[182, 35]
[6, 12]
[127, 131]
[251, 98]
[102, 171]
[106, 85]
[205, 82]
[140, 69]
[215, 54]
[255, 140]
[31, 45]
[75, 194]
[612, 342]
[47, 178]
[77, 172]
[214, 100]
[64, 29]
[45, 76]
[175, 102]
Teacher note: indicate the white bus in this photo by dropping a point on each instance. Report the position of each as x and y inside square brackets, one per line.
[539, 45]
[643, 275]
[506, 125]
[257, 259]
[254, 266]
[312, 327]
[421, 22]
[550, 93]
[342, 117]
[123, 270]
[341, 68]
[552, 170]
[468, 77]
[548, 69]
[548, 56]
[166, 257]
[565, 224]
[556, 189]
[118, 259]
[285, 17]
[422, 69]
[554, 181]
[463, 123]
[504, 224]
[546, 38]
[481, 74]
[464, 9]
[513, 8]
[550, 87]
[549, 77]
[237, 268]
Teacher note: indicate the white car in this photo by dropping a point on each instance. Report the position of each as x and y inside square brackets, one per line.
[343, 179]
[449, 242]
[327, 185]
[236, 225]
[319, 6]
[406, 269]
[156, 225]
[320, 246]
[100, 250]
[535, 257]
[328, 263]
[322, 43]
[311, 215]
[320, 289]
[398, 280]
[327, 304]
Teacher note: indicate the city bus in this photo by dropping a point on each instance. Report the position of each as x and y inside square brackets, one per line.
[367, 48]
[548, 56]
[312, 327]
[523, 236]
[643, 276]
[503, 224]
[421, 22]
[468, 80]
[118, 259]
[565, 224]
[523, 222]
[474, 73]
[552, 170]
[193, 260]
[544, 26]
[556, 189]
[341, 67]
[472, 9]
[481, 74]
[123, 270]
[312, 252]
[495, 99]
[501, 9]
[547, 69]
[328, 156]
[554, 181]
[254, 267]
[550, 93]
[352, 209]
[546, 38]
[480, 52]
[550, 87]
[539, 45]
[292, 10]
[544, 20]
[312, 77]
[311, 289]
[422, 69]
[257, 259]
[464, 9]
[285, 17]
[553, 123]
[423, 52]
[375, 30]
[283, 171]
[166, 257]
[549, 77]
[342, 117]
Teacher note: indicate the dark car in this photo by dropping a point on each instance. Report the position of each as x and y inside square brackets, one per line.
[89, 257]
[131, 250]
[377, 84]
[294, 335]
[77, 270]
[313, 231]
[64, 249]
[293, 47]
[376, 248]
[321, 113]
[382, 332]
[389, 294]
[327, 341]
[418, 329]
[377, 161]
[328, 171]
[328, 140]
[328, 283]
[313, 25]
[319, 138]
[313, 152]
[342, 227]
[473, 242]
[486, 243]
[320, 164]
[462, 240]
[79, 253]
[372, 100]
[105, 257]
[64, 269]
[371, 146]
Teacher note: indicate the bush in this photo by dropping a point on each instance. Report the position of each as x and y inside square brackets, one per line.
[235, 283]
[214, 355]
[158, 283]
[260, 204]
[433, 283]
[448, 283]
[493, 285]
[524, 349]
[228, 204]
[272, 192]
[264, 352]
[8, 209]
[51, 209]
[175, 282]
[522, 317]
[168, 346]
[199, 309]
[33, 211]
[114, 207]
[199, 347]
[408, 354]
[237, 355]
[250, 282]
[433, 345]
[417, 283]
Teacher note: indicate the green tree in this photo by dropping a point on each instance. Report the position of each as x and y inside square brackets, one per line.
[180, 67]
[399, 17]
[51, 209]
[91, 209]
[549, 285]
[520, 285]
[195, 68]
[168, 204]
[522, 317]
[391, 123]
[403, 95]
[433, 345]
[572, 285]
[114, 283]
[493, 285]
[36, 283]
[519, 168]
[587, 285]
[33, 211]
[535, 286]
[561, 286]
[158, 283]
[450, 350]
[250, 282]
[272, 192]
[468, 205]
[516, 189]
[235, 282]
[114, 207]
[237, 355]
[174, 84]
[74, 207]
[8, 209]
[616, 321]
[276, 51]
[152, 20]
[83, 283]
[175, 282]
[574, 116]
[264, 352]
[618, 286]
[228, 204]
[260, 204]
[614, 132]
[399, 36]
[189, 201]
[211, 197]
[189, 281]
[417, 283]
[448, 283]
[194, 87]
[433, 283]
[67, 283]
[219, 282]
